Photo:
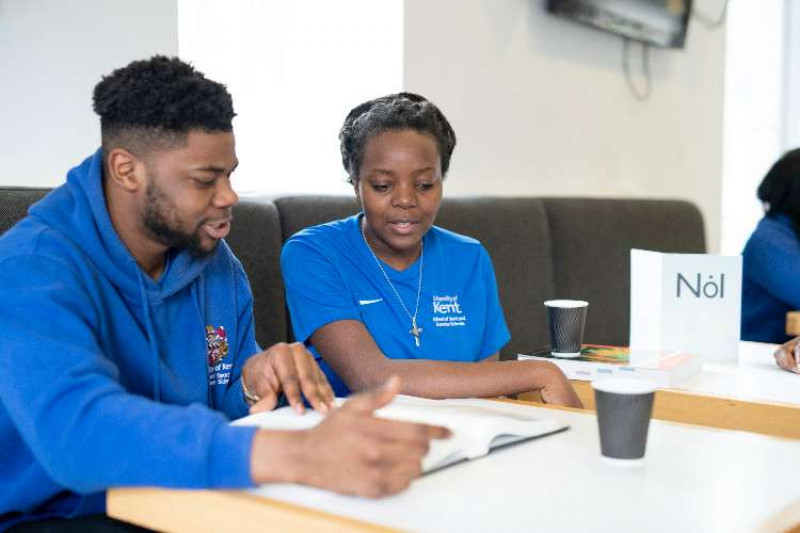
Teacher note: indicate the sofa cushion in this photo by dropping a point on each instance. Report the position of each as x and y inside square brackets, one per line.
[541, 248]
[591, 243]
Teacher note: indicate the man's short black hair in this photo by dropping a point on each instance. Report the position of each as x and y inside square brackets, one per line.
[780, 188]
[393, 112]
[156, 102]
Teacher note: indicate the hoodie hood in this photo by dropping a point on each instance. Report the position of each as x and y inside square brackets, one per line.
[77, 211]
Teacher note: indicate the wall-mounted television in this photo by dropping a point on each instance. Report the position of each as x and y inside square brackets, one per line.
[657, 22]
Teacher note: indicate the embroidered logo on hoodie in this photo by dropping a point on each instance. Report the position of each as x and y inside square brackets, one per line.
[219, 373]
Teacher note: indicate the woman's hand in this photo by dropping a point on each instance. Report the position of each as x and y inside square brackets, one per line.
[558, 389]
[787, 355]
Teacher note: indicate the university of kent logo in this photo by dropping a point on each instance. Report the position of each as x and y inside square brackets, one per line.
[447, 312]
[216, 344]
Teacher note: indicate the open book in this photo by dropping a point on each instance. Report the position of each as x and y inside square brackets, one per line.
[667, 368]
[478, 426]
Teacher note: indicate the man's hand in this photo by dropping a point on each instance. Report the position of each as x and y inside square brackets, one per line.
[350, 451]
[290, 369]
[786, 356]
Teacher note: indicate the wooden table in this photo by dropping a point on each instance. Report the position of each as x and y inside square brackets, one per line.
[749, 394]
[693, 479]
[793, 323]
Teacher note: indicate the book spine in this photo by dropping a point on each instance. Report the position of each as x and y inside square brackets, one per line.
[591, 373]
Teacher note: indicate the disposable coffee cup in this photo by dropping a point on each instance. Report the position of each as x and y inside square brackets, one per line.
[566, 320]
[624, 407]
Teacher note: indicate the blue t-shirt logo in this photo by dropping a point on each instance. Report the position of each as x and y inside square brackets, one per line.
[447, 312]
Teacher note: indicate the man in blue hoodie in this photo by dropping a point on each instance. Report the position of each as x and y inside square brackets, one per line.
[128, 338]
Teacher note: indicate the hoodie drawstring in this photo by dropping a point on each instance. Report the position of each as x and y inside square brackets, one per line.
[151, 340]
[199, 295]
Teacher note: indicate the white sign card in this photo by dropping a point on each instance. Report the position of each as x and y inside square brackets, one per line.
[688, 302]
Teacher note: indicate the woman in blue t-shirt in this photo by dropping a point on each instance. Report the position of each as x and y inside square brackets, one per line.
[386, 292]
[771, 257]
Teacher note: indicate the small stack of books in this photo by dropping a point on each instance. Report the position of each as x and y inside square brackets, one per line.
[667, 368]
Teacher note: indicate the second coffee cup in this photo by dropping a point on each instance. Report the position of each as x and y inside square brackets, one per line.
[566, 320]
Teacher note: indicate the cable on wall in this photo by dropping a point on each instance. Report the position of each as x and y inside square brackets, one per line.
[710, 23]
[642, 94]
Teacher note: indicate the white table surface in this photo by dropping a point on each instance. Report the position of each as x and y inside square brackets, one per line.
[692, 479]
[754, 376]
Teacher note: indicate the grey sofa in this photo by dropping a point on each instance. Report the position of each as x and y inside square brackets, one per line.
[542, 248]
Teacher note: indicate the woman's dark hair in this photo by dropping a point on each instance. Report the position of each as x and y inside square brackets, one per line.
[780, 188]
[156, 102]
[399, 111]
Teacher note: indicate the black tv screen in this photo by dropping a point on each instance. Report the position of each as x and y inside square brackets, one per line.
[657, 22]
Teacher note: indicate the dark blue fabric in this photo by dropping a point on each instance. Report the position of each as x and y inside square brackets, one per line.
[331, 275]
[771, 280]
[107, 377]
[95, 523]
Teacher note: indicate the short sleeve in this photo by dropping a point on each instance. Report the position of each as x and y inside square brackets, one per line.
[316, 291]
[495, 332]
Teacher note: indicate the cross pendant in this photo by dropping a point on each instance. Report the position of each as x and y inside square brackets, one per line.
[415, 331]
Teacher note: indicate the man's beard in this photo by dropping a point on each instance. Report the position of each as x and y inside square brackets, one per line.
[157, 211]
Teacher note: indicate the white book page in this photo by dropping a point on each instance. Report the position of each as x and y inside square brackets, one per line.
[477, 425]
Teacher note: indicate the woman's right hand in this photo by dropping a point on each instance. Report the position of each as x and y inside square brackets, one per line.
[558, 390]
[786, 356]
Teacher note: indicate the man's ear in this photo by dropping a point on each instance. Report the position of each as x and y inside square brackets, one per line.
[125, 170]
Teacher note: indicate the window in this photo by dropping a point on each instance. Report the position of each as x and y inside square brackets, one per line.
[761, 108]
[294, 68]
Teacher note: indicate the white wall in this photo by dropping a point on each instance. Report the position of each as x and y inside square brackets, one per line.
[540, 105]
[791, 58]
[295, 68]
[52, 53]
[754, 115]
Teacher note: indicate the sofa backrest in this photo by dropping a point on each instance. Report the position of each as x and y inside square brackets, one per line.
[545, 248]
[517, 237]
[256, 239]
[541, 248]
[14, 204]
[591, 243]
[513, 230]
